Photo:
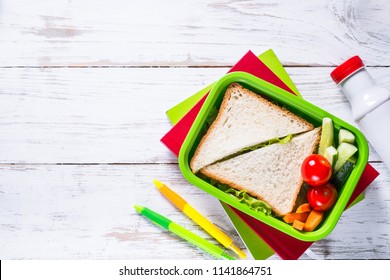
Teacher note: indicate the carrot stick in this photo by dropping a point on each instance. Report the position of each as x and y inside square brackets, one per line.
[290, 217]
[303, 208]
[298, 225]
[313, 220]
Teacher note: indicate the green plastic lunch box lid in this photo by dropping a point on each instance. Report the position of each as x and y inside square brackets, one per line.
[297, 106]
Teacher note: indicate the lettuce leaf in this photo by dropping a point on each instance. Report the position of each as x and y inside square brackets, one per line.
[283, 140]
[254, 203]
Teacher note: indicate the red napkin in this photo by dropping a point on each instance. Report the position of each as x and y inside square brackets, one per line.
[283, 244]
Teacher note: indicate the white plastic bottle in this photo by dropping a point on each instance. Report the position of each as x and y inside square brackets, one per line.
[370, 104]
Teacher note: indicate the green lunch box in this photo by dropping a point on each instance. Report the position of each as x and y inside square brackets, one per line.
[297, 106]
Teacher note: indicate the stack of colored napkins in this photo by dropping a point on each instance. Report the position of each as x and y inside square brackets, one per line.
[262, 240]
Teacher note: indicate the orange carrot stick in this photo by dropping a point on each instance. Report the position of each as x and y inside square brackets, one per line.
[290, 217]
[313, 220]
[303, 208]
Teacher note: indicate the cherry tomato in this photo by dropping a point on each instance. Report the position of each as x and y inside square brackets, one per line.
[316, 170]
[322, 198]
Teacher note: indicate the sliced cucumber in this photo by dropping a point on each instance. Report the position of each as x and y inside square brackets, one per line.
[353, 159]
[331, 155]
[346, 136]
[341, 177]
[345, 152]
[327, 135]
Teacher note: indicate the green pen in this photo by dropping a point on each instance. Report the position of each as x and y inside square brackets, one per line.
[184, 233]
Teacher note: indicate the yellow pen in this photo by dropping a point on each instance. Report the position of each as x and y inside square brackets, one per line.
[198, 218]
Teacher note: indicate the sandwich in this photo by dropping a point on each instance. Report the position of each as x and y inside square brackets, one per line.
[256, 147]
[244, 120]
[271, 173]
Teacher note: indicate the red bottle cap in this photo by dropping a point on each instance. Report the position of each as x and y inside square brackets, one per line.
[347, 68]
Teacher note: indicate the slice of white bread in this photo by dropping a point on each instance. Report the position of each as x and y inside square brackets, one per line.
[245, 119]
[271, 173]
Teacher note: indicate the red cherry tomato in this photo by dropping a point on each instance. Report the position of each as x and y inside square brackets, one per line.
[322, 198]
[316, 170]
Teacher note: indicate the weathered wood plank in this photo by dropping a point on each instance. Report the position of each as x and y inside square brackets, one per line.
[86, 212]
[78, 33]
[105, 115]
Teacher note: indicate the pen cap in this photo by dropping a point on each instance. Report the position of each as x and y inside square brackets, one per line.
[153, 216]
[171, 195]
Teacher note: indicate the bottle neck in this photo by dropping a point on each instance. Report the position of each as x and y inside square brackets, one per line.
[363, 93]
[354, 85]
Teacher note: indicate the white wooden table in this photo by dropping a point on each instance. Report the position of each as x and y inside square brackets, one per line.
[84, 86]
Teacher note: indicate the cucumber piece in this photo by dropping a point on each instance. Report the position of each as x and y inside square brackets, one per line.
[345, 152]
[342, 175]
[331, 155]
[346, 136]
[353, 159]
[327, 135]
